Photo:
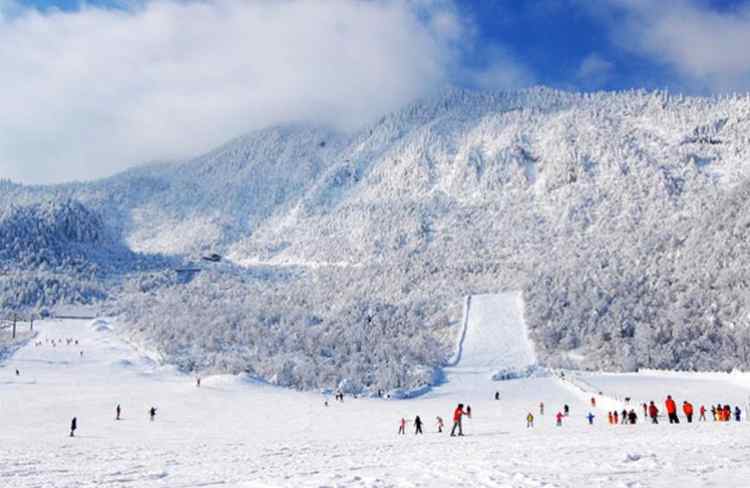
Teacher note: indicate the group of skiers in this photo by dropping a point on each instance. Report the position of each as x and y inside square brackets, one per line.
[118, 416]
[651, 411]
[458, 413]
[54, 342]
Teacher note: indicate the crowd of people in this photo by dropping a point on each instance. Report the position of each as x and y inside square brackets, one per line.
[719, 413]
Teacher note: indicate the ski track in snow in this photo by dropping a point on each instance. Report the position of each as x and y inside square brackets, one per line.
[231, 432]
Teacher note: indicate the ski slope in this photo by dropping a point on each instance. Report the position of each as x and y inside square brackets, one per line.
[234, 432]
[495, 336]
[494, 339]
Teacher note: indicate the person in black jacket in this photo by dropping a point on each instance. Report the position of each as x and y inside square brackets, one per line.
[417, 425]
[73, 426]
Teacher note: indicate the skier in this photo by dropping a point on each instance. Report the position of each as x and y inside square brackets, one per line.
[73, 426]
[541, 408]
[440, 424]
[702, 411]
[713, 412]
[609, 417]
[632, 417]
[198, 382]
[624, 417]
[118, 410]
[152, 413]
[615, 418]
[402, 426]
[457, 414]
[566, 409]
[645, 411]
[737, 413]
[593, 402]
[653, 412]
[18, 373]
[687, 409]
[727, 413]
[671, 410]
[559, 419]
[497, 395]
[468, 411]
[529, 420]
[417, 425]
[590, 417]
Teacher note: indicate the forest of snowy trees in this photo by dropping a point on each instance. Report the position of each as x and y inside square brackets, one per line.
[623, 217]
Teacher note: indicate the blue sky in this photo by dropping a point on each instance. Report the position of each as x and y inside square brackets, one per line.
[550, 38]
[91, 89]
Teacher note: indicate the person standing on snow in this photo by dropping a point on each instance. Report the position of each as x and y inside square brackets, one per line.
[458, 413]
[440, 424]
[118, 410]
[687, 409]
[615, 418]
[559, 419]
[468, 411]
[541, 408]
[566, 409]
[609, 417]
[671, 407]
[152, 413]
[645, 411]
[73, 426]
[624, 417]
[590, 418]
[737, 414]
[702, 411]
[632, 417]
[593, 402]
[417, 425]
[497, 395]
[653, 412]
[402, 426]
[529, 420]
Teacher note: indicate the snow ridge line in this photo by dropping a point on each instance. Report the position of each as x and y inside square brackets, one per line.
[464, 327]
[571, 379]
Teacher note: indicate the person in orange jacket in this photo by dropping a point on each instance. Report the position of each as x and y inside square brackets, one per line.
[671, 410]
[687, 409]
[457, 414]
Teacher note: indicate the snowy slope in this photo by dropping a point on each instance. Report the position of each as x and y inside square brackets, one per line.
[234, 432]
[496, 338]
[602, 207]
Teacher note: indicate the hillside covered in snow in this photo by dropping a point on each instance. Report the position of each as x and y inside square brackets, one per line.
[623, 218]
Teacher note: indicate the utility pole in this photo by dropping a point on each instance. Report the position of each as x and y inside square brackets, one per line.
[14, 326]
[31, 324]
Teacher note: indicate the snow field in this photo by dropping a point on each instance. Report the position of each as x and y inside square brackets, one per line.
[234, 432]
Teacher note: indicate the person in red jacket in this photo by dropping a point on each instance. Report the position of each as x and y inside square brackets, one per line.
[702, 411]
[671, 410]
[457, 414]
[653, 412]
[687, 409]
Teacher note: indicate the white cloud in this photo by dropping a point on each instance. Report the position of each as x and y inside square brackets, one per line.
[706, 47]
[87, 93]
[594, 70]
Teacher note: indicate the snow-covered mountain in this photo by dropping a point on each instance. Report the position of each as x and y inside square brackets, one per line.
[621, 216]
